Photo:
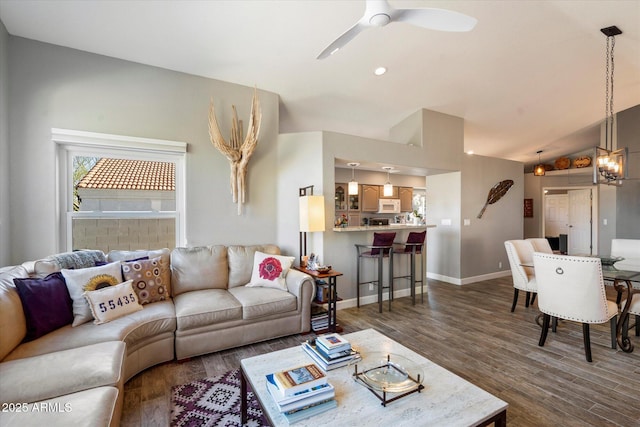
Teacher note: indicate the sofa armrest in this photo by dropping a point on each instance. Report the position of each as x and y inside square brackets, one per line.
[297, 281]
[50, 375]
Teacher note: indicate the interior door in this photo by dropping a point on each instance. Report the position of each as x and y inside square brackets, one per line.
[556, 215]
[580, 222]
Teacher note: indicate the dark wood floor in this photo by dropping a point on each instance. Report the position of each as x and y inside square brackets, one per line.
[470, 331]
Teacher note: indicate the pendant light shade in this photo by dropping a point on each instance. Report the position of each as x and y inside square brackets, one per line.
[353, 184]
[539, 169]
[388, 188]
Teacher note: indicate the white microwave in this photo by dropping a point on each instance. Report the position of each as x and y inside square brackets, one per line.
[391, 206]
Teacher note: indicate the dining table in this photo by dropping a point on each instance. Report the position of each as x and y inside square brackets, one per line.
[623, 281]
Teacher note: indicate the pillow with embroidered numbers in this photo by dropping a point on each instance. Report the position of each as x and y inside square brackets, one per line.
[147, 278]
[269, 271]
[112, 302]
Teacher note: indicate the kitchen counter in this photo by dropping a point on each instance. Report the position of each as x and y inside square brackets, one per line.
[383, 227]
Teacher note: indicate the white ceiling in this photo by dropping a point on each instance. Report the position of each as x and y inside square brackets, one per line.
[529, 77]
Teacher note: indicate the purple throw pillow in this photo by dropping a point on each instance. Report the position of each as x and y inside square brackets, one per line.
[46, 303]
[415, 237]
[382, 239]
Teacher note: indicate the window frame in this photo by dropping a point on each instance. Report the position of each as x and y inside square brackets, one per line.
[71, 143]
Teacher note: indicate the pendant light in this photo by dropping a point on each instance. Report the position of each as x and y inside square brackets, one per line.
[388, 188]
[539, 169]
[610, 164]
[353, 184]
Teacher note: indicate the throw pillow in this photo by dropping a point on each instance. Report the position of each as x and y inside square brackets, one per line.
[46, 304]
[89, 279]
[146, 275]
[270, 270]
[112, 302]
[382, 239]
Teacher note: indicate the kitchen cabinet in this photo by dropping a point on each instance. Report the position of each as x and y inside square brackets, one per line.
[370, 194]
[354, 219]
[405, 194]
[340, 197]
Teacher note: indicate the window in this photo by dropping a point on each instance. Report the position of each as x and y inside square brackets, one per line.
[118, 192]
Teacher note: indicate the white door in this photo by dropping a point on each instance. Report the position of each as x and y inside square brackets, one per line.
[556, 217]
[579, 222]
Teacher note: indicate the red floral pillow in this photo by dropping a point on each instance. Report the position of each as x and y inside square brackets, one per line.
[270, 270]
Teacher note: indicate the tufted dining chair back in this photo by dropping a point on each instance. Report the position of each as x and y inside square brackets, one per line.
[572, 288]
[520, 252]
[540, 244]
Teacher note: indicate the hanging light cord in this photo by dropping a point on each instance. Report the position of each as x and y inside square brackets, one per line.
[611, 44]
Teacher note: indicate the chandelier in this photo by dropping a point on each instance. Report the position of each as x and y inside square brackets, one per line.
[610, 164]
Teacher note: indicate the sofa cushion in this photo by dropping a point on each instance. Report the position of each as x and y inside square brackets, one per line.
[165, 264]
[148, 282]
[206, 307]
[92, 366]
[89, 279]
[241, 262]
[68, 260]
[112, 302]
[93, 407]
[46, 304]
[13, 325]
[261, 302]
[155, 319]
[198, 268]
[269, 271]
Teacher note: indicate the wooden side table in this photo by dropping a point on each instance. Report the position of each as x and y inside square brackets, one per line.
[332, 299]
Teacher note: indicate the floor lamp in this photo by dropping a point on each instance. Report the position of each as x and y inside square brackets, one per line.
[311, 216]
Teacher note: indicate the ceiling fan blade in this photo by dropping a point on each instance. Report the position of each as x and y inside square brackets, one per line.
[435, 19]
[341, 41]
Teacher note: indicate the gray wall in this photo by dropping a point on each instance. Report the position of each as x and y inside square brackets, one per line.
[482, 242]
[4, 146]
[628, 196]
[53, 86]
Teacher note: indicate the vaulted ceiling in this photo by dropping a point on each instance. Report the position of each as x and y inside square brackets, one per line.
[530, 76]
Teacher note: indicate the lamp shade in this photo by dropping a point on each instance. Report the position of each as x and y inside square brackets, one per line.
[312, 213]
[539, 170]
[353, 188]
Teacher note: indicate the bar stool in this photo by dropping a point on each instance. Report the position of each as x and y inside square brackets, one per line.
[382, 248]
[413, 247]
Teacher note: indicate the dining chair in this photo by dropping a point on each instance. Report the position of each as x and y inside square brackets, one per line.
[381, 248]
[520, 252]
[572, 288]
[540, 244]
[629, 250]
[413, 247]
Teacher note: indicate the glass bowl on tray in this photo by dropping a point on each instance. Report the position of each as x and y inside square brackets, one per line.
[388, 372]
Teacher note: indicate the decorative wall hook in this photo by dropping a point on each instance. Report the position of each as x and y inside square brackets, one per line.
[237, 151]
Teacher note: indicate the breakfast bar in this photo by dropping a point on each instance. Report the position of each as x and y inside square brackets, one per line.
[401, 245]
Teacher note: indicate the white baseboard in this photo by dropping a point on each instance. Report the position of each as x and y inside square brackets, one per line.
[373, 299]
[468, 280]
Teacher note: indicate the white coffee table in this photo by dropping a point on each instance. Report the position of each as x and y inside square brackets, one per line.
[446, 400]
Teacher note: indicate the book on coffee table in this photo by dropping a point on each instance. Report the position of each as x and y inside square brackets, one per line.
[302, 400]
[294, 380]
[332, 343]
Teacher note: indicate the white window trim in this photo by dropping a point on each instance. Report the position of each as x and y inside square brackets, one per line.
[70, 143]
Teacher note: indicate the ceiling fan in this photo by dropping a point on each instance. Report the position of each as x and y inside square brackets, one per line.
[379, 13]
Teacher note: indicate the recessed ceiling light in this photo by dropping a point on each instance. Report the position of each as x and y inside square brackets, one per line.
[380, 71]
[470, 152]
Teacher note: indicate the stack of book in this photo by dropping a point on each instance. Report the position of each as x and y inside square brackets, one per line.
[301, 392]
[319, 318]
[331, 351]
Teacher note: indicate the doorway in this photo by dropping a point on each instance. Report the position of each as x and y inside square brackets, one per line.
[571, 211]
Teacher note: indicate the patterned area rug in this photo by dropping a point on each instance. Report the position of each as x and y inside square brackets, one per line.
[212, 402]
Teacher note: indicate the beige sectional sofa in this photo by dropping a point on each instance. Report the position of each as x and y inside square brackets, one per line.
[76, 373]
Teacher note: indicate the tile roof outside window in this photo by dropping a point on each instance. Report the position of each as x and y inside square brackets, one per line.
[123, 174]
